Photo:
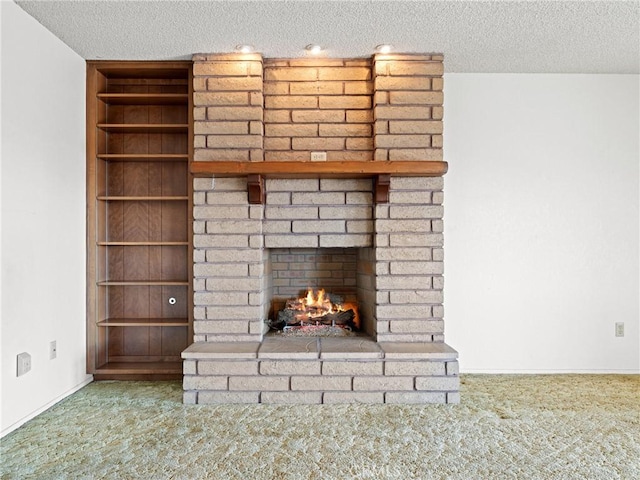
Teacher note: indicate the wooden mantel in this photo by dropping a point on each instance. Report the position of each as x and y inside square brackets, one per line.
[256, 172]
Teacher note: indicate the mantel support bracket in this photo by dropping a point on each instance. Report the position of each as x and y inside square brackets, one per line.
[381, 188]
[255, 188]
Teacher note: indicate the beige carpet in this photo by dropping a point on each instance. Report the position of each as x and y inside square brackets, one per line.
[507, 427]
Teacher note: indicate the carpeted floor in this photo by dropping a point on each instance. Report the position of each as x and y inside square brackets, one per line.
[507, 427]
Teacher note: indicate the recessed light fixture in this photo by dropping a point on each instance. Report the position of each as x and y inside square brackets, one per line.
[244, 48]
[313, 49]
[384, 48]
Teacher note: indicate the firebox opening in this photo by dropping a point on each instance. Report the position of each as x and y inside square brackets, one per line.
[346, 275]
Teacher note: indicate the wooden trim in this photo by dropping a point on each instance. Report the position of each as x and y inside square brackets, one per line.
[321, 169]
[144, 157]
[255, 186]
[381, 188]
[141, 283]
[91, 293]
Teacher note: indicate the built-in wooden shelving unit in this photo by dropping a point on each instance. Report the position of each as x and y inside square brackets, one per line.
[139, 302]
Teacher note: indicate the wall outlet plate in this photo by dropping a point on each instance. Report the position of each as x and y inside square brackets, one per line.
[318, 156]
[53, 350]
[24, 363]
[619, 329]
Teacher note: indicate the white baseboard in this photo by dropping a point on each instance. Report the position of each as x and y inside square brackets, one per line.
[25, 419]
[502, 371]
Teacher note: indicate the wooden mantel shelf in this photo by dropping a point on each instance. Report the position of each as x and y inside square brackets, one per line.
[381, 171]
[333, 169]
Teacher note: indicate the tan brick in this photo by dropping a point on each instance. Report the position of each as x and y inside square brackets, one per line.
[289, 367]
[234, 141]
[345, 101]
[344, 73]
[452, 368]
[212, 398]
[380, 98]
[416, 211]
[189, 367]
[274, 383]
[256, 98]
[384, 112]
[290, 73]
[204, 383]
[222, 127]
[416, 68]
[415, 126]
[382, 384]
[199, 141]
[238, 69]
[402, 83]
[413, 98]
[436, 141]
[319, 226]
[381, 154]
[352, 368]
[297, 130]
[222, 367]
[207, 155]
[301, 143]
[415, 397]
[437, 113]
[276, 88]
[298, 101]
[291, 398]
[282, 156]
[220, 98]
[277, 116]
[318, 116]
[437, 84]
[416, 326]
[359, 116]
[321, 383]
[389, 312]
[316, 88]
[350, 156]
[429, 154]
[381, 127]
[360, 143]
[234, 84]
[416, 296]
[437, 383]
[393, 368]
[293, 185]
[345, 130]
[219, 326]
[234, 113]
[199, 84]
[277, 143]
[402, 141]
[331, 398]
[199, 113]
[315, 62]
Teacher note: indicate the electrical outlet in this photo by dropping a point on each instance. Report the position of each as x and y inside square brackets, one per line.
[318, 156]
[619, 329]
[24, 363]
[53, 350]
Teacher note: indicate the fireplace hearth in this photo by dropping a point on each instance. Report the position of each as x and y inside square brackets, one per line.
[259, 242]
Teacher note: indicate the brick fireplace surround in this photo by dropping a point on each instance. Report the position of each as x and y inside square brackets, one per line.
[375, 237]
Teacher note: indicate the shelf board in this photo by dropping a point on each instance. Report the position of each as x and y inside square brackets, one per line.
[155, 198]
[142, 244]
[334, 169]
[144, 127]
[144, 322]
[141, 283]
[139, 368]
[144, 157]
[144, 98]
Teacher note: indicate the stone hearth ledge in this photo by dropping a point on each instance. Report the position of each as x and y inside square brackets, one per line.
[320, 370]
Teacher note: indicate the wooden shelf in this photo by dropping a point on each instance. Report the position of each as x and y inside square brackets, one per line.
[144, 98]
[143, 244]
[141, 283]
[140, 368]
[155, 198]
[333, 169]
[144, 322]
[144, 157]
[144, 127]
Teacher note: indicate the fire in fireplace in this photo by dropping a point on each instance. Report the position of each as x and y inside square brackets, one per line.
[318, 313]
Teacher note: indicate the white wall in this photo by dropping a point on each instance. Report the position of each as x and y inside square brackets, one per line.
[541, 222]
[43, 216]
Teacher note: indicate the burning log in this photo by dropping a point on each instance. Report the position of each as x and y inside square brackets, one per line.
[317, 310]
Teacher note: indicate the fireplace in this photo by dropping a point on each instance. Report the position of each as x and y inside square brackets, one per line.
[261, 239]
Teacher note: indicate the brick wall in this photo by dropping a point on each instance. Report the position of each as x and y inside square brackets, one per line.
[387, 107]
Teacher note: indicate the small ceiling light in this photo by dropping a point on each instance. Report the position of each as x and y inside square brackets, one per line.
[244, 48]
[313, 49]
[384, 48]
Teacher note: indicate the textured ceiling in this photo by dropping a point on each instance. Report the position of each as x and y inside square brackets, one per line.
[475, 36]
